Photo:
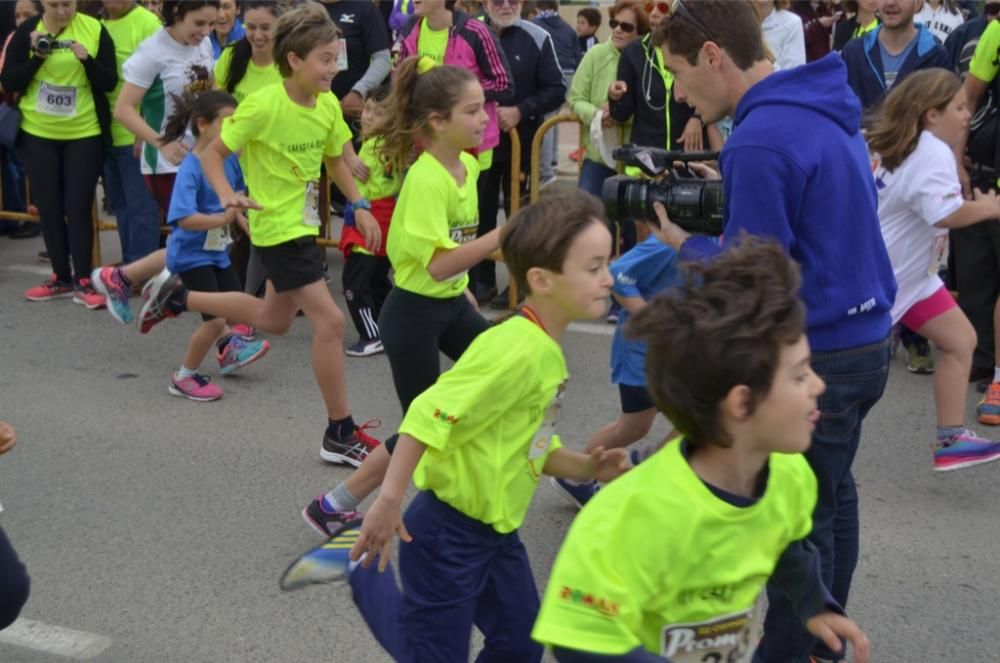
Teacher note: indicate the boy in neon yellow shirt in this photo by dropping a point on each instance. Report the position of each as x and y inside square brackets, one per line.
[668, 562]
[476, 444]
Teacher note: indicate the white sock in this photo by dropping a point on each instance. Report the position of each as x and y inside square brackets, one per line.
[996, 373]
[185, 372]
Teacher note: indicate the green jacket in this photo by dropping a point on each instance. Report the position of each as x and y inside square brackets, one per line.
[589, 91]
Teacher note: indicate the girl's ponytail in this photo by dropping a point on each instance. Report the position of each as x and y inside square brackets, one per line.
[177, 123]
[191, 107]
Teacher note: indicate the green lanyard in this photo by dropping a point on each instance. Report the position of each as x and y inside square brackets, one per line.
[668, 86]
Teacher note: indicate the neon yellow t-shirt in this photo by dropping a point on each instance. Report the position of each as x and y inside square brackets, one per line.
[489, 423]
[433, 212]
[657, 560]
[984, 64]
[59, 102]
[382, 181]
[135, 27]
[284, 145]
[254, 79]
[862, 30]
[432, 43]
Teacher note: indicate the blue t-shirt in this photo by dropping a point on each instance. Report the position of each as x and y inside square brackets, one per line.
[645, 270]
[892, 63]
[192, 194]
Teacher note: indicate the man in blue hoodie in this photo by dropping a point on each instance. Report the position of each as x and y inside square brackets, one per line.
[796, 169]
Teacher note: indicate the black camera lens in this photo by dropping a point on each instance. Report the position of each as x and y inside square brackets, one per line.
[694, 205]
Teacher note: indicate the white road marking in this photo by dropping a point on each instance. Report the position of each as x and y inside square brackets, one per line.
[57, 640]
[39, 269]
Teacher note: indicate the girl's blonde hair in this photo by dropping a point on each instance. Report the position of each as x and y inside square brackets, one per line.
[414, 97]
[897, 125]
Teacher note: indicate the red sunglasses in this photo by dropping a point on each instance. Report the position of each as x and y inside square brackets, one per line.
[663, 7]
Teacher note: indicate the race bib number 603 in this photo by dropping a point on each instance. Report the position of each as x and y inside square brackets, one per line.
[56, 100]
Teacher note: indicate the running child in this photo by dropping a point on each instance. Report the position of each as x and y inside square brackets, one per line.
[920, 199]
[476, 444]
[286, 133]
[668, 561]
[645, 270]
[366, 274]
[196, 250]
[432, 244]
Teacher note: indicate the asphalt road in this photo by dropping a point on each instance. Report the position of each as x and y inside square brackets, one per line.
[160, 526]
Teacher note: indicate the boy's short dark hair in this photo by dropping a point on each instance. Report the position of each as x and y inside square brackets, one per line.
[724, 326]
[591, 15]
[732, 25]
[540, 234]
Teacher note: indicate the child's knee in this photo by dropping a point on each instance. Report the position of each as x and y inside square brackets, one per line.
[329, 324]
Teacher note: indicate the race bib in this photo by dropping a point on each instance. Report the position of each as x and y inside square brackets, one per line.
[342, 56]
[463, 234]
[939, 255]
[310, 214]
[217, 239]
[56, 100]
[722, 640]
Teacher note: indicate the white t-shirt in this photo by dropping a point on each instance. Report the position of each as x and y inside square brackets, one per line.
[786, 37]
[922, 191]
[162, 66]
[939, 21]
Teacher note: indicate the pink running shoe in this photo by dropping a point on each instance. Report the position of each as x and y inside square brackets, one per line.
[84, 293]
[51, 289]
[197, 387]
[110, 282]
[244, 331]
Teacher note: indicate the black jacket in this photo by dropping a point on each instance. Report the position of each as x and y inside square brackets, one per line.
[102, 71]
[564, 39]
[638, 68]
[538, 82]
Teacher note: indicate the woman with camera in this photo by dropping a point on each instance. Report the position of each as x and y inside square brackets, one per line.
[62, 64]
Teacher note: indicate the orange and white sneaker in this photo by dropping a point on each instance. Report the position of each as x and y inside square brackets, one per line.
[988, 410]
[85, 294]
[53, 288]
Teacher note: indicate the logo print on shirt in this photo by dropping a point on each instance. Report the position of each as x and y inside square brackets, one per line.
[346, 18]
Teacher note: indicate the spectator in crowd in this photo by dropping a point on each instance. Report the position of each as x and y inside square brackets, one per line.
[228, 28]
[135, 210]
[15, 585]
[783, 33]
[796, 168]
[588, 94]
[401, 12]
[941, 17]
[539, 88]
[860, 21]
[364, 55]
[818, 17]
[11, 170]
[155, 6]
[65, 128]
[961, 43]
[875, 63]
[175, 60]
[588, 20]
[529, 9]
[568, 53]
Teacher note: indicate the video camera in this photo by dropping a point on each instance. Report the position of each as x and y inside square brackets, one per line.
[692, 203]
[47, 43]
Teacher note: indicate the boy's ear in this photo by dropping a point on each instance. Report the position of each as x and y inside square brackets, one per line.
[539, 280]
[737, 403]
[294, 61]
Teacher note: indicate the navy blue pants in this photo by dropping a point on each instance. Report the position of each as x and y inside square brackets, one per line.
[855, 379]
[14, 583]
[457, 573]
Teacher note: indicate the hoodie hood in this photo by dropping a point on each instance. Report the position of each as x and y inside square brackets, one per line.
[819, 86]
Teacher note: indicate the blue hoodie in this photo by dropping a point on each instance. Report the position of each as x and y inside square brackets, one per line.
[796, 169]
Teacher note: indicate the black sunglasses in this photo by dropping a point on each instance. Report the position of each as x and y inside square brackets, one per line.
[626, 27]
[680, 9]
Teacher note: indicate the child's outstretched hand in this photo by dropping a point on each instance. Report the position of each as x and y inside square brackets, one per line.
[382, 521]
[609, 464]
[8, 438]
[831, 627]
[369, 228]
[240, 202]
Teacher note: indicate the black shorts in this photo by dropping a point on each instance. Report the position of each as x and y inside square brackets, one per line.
[634, 398]
[293, 264]
[209, 278]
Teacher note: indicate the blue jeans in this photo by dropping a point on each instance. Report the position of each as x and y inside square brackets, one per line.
[592, 176]
[133, 205]
[457, 573]
[855, 379]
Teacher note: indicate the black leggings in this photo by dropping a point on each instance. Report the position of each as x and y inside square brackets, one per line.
[209, 278]
[416, 328]
[63, 176]
[14, 583]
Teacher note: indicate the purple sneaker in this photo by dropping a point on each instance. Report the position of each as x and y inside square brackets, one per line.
[326, 523]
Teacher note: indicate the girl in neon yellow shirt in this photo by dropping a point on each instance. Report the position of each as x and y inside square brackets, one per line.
[432, 244]
[248, 64]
